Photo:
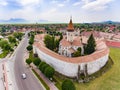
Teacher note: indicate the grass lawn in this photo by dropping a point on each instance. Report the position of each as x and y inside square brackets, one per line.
[4, 54]
[108, 81]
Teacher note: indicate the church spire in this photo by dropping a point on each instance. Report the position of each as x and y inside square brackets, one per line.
[70, 25]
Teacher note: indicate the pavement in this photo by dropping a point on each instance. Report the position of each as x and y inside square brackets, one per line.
[7, 77]
[2, 82]
[12, 85]
[30, 83]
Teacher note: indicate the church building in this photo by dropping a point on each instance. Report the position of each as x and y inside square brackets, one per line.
[70, 42]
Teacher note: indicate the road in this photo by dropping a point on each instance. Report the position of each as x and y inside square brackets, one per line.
[31, 82]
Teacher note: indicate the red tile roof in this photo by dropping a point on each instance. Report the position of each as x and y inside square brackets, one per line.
[70, 26]
[76, 42]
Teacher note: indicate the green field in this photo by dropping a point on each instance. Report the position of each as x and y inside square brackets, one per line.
[108, 81]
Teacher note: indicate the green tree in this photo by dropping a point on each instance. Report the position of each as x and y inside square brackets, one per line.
[51, 42]
[48, 40]
[49, 72]
[76, 54]
[90, 47]
[18, 35]
[79, 49]
[11, 39]
[40, 65]
[31, 41]
[61, 37]
[28, 61]
[44, 66]
[3, 43]
[29, 48]
[68, 85]
[7, 47]
[36, 61]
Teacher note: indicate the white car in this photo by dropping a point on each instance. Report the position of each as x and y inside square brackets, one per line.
[23, 76]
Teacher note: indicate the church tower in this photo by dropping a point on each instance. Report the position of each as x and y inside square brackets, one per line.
[70, 31]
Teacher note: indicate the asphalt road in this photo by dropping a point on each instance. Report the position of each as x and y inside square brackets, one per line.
[30, 83]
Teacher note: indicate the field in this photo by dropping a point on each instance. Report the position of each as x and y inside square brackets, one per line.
[110, 80]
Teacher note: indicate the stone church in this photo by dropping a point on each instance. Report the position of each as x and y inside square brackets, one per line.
[70, 42]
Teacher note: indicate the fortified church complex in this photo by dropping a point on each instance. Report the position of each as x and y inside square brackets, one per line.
[70, 42]
[63, 62]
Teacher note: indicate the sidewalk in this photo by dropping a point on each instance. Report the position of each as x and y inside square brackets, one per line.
[9, 75]
[2, 78]
[47, 81]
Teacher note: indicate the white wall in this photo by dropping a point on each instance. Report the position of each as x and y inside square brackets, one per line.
[71, 69]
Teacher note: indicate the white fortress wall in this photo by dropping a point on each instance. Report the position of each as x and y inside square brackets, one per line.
[65, 68]
[71, 69]
[95, 65]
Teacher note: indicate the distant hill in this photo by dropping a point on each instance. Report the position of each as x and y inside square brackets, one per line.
[14, 20]
[42, 21]
[111, 22]
[108, 22]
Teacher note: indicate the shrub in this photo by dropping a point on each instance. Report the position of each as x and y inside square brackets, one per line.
[68, 85]
[44, 66]
[49, 72]
[36, 61]
[40, 65]
[29, 48]
[28, 61]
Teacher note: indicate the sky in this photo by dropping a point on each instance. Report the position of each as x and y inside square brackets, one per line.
[61, 10]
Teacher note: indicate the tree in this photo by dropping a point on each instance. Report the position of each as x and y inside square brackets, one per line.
[90, 47]
[31, 41]
[40, 65]
[49, 72]
[51, 42]
[36, 61]
[11, 39]
[7, 47]
[68, 85]
[79, 49]
[44, 66]
[3, 43]
[29, 48]
[28, 61]
[76, 54]
[48, 40]
[18, 35]
[61, 37]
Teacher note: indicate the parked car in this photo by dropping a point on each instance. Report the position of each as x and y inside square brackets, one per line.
[24, 76]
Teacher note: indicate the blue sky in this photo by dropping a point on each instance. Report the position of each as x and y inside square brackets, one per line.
[61, 10]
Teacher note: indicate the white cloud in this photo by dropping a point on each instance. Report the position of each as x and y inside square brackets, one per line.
[54, 1]
[60, 5]
[96, 5]
[52, 10]
[3, 3]
[76, 3]
[66, 1]
[86, 1]
[29, 2]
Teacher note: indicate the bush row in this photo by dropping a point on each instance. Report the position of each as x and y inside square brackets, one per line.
[46, 69]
